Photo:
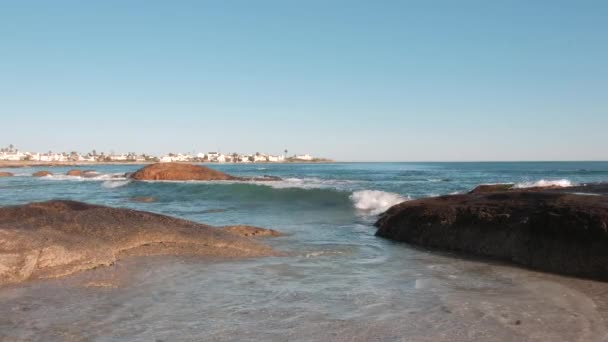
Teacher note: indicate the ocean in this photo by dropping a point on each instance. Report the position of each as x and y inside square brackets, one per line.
[336, 282]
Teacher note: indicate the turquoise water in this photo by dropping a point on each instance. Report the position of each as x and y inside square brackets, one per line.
[338, 282]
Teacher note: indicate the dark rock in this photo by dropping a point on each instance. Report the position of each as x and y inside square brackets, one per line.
[57, 238]
[6, 174]
[549, 230]
[485, 188]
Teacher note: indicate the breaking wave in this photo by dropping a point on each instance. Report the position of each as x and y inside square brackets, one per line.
[561, 183]
[111, 184]
[374, 202]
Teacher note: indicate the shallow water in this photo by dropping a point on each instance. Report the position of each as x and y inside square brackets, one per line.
[339, 282]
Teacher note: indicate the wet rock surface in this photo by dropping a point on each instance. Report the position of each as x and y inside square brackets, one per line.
[251, 231]
[561, 230]
[58, 238]
[42, 174]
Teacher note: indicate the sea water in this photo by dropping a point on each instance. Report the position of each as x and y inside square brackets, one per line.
[336, 282]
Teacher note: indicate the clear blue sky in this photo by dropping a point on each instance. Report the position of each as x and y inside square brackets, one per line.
[350, 80]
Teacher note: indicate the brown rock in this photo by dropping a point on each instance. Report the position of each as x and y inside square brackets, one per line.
[185, 172]
[176, 171]
[57, 238]
[42, 174]
[74, 172]
[250, 231]
[548, 230]
[81, 173]
[6, 174]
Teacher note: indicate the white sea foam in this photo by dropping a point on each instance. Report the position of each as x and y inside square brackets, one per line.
[310, 183]
[111, 184]
[286, 183]
[545, 183]
[374, 202]
[97, 177]
[322, 253]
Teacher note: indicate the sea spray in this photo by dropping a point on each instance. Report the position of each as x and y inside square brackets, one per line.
[561, 183]
[374, 202]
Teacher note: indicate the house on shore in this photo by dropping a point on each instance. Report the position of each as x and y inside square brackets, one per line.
[276, 159]
[306, 157]
[13, 155]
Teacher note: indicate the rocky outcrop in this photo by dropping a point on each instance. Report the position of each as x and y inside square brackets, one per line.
[182, 172]
[186, 172]
[82, 173]
[6, 174]
[57, 238]
[42, 174]
[554, 230]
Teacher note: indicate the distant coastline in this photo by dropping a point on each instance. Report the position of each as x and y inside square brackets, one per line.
[26, 163]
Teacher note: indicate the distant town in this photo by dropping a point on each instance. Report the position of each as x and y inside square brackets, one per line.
[11, 153]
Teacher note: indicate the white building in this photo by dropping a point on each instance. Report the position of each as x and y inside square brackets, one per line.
[121, 157]
[260, 158]
[304, 157]
[13, 156]
[87, 158]
[169, 158]
[212, 156]
[52, 157]
[166, 159]
[276, 159]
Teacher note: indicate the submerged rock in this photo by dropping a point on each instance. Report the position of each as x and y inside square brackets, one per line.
[186, 172]
[550, 230]
[6, 174]
[251, 231]
[143, 199]
[57, 238]
[42, 174]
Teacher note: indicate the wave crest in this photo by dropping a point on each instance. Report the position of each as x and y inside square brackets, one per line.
[374, 202]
